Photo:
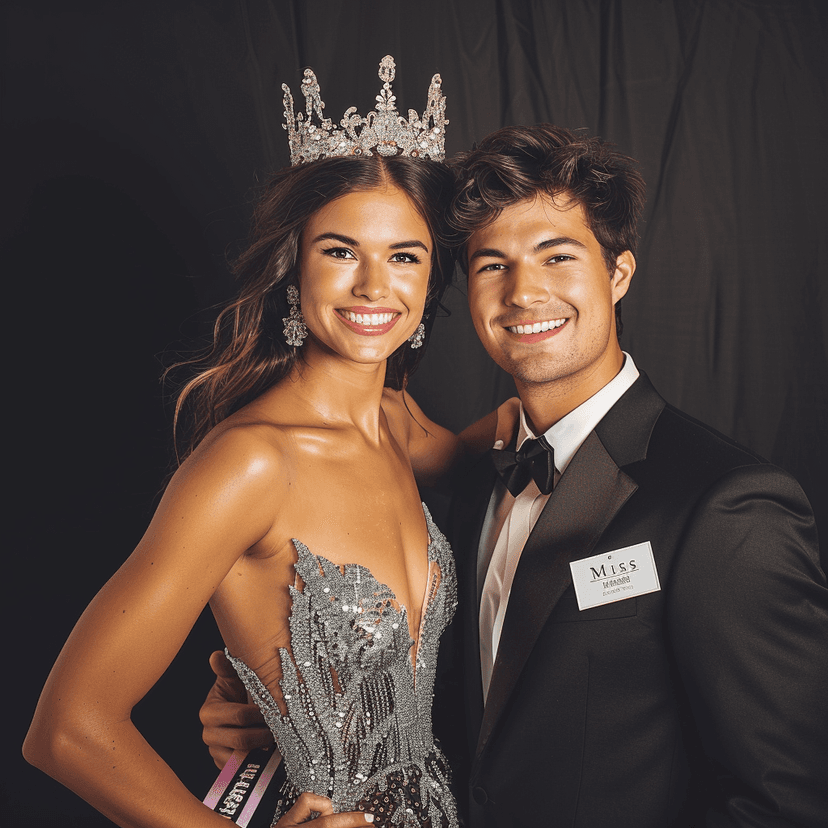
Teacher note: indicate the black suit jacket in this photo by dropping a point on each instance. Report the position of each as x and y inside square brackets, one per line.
[701, 704]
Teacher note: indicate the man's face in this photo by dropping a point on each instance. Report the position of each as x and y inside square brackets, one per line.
[541, 297]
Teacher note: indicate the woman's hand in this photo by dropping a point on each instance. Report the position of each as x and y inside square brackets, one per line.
[218, 505]
[318, 809]
[230, 722]
[496, 429]
[508, 416]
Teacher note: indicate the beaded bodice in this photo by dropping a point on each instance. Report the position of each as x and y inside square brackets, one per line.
[357, 727]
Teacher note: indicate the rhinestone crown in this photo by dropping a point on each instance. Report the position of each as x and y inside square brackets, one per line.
[384, 131]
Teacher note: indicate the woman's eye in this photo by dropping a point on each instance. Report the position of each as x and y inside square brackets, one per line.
[338, 253]
[410, 258]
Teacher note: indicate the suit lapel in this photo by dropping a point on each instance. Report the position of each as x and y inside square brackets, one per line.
[582, 505]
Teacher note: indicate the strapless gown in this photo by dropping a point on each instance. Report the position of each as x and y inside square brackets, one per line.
[358, 722]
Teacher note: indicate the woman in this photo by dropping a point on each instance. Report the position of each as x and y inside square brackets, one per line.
[295, 514]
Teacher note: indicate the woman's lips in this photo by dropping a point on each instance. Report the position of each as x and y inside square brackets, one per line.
[369, 321]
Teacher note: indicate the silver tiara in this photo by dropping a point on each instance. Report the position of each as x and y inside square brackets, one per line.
[384, 131]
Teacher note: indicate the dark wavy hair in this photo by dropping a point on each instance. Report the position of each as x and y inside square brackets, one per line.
[249, 353]
[518, 162]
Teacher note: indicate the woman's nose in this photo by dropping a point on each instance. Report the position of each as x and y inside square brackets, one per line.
[372, 283]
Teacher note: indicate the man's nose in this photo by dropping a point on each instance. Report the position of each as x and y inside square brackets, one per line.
[527, 286]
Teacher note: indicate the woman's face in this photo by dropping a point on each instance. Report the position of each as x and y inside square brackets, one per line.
[364, 264]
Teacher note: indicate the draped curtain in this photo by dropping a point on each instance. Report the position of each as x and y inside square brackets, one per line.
[137, 132]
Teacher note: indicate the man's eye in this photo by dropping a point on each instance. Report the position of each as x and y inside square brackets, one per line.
[492, 266]
[408, 258]
[338, 253]
[561, 257]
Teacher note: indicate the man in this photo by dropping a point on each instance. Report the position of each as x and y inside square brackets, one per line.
[675, 674]
[689, 688]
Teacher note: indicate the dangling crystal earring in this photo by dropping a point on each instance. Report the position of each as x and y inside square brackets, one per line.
[295, 328]
[418, 337]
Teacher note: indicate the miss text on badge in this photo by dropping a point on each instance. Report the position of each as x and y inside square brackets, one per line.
[623, 566]
[615, 576]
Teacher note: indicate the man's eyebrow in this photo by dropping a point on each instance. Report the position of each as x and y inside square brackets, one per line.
[487, 253]
[557, 242]
[494, 253]
[354, 243]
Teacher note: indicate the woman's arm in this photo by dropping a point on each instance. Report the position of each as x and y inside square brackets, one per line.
[215, 508]
[436, 453]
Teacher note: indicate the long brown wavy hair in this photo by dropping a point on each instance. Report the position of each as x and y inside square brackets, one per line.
[248, 353]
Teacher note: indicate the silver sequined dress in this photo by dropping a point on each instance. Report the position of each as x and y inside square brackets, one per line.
[358, 723]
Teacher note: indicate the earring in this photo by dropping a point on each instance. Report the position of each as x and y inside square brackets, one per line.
[418, 337]
[295, 328]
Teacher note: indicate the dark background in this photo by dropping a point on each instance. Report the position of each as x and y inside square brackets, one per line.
[135, 132]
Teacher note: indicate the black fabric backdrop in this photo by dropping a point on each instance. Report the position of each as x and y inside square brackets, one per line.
[135, 131]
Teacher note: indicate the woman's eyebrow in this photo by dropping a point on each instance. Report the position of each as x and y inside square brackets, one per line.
[336, 237]
[412, 243]
[354, 243]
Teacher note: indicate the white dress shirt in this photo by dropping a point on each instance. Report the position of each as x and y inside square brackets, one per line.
[510, 520]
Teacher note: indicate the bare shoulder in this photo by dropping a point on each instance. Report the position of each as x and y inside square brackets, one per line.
[254, 450]
[397, 408]
[239, 467]
[433, 450]
[408, 422]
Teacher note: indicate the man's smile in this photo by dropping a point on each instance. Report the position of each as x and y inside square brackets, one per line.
[536, 327]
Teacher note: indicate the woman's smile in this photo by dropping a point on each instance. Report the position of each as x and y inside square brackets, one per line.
[369, 321]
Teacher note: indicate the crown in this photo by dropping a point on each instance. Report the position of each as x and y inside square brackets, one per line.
[384, 131]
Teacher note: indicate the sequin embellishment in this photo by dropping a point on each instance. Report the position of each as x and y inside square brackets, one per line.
[358, 723]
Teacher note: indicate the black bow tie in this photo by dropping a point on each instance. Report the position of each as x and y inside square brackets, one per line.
[535, 461]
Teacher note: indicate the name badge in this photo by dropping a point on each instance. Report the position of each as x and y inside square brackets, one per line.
[615, 576]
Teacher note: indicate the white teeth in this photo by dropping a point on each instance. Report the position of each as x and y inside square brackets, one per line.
[368, 319]
[537, 327]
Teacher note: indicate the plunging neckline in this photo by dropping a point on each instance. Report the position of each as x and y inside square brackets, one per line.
[398, 607]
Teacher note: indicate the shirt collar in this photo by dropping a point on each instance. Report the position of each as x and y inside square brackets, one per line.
[568, 434]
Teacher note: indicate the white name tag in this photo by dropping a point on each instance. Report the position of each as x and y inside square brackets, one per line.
[615, 576]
